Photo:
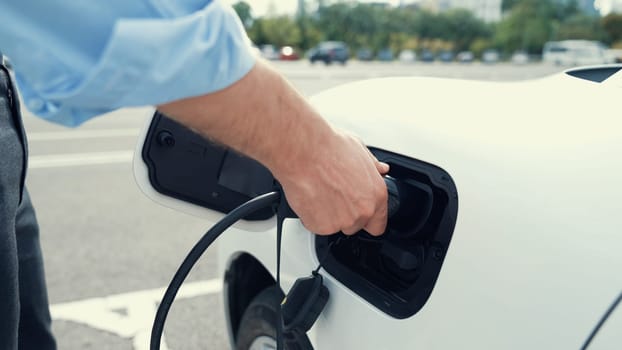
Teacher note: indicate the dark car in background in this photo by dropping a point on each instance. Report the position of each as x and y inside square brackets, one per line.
[427, 56]
[329, 52]
[446, 56]
[364, 54]
[385, 55]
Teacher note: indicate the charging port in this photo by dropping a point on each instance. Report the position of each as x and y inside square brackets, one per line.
[397, 271]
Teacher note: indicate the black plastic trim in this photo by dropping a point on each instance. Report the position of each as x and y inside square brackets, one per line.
[184, 165]
[595, 74]
[396, 272]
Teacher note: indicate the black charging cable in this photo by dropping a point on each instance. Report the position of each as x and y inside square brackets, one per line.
[601, 322]
[257, 203]
[292, 328]
[296, 323]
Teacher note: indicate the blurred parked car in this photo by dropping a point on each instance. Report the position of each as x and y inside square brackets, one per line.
[407, 56]
[465, 56]
[385, 55]
[490, 56]
[288, 54]
[427, 56]
[329, 52]
[269, 52]
[520, 57]
[446, 56]
[364, 54]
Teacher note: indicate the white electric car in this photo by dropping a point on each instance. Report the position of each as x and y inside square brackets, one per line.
[514, 240]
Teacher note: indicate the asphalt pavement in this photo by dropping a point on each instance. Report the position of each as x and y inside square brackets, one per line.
[109, 250]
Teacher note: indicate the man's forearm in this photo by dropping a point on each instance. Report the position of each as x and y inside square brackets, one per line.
[329, 177]
[260, 116]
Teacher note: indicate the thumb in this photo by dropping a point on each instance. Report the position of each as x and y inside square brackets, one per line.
[383, 168]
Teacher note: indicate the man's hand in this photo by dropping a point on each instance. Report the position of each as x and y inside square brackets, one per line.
[340, 188]
[330, 178]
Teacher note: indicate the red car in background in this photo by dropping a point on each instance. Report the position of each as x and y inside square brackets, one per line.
[287, 53]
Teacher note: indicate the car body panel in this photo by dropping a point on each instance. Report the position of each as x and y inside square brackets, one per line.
[535, 255]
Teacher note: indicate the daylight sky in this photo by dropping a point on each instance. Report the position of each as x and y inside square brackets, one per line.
[605, 5]
[260, 7]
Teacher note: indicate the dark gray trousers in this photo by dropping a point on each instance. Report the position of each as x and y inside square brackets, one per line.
[24, 312]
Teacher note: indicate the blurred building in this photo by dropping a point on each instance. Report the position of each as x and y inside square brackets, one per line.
[486, 10]
[380, 4]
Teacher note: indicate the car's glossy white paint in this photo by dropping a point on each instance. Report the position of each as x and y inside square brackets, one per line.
[536, 254]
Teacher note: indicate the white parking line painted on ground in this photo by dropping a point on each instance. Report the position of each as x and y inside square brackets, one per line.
[137, 311]
[81, 134]
[77, 159]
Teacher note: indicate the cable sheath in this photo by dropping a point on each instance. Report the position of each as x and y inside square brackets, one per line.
[193, 256]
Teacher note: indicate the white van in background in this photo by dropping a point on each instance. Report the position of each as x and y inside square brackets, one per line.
[614, 55]
[575, 53]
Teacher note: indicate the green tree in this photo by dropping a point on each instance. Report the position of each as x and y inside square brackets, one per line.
[479, 45]
[243, 9]
[531, 23]
[358, 25]
[528, 24]
[462, 28]
[371, 25]
[507, 5]
[278, 31]
[256, 32]
[612, 24]
[429, 25]
[581, 26]
[310, 34]
[523, 30]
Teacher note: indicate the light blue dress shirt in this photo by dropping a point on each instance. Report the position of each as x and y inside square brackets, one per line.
[75, 59]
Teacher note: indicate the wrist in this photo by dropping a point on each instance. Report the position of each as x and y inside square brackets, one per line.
[302, 151]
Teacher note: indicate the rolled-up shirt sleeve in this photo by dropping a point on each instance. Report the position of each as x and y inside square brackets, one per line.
[142, 59]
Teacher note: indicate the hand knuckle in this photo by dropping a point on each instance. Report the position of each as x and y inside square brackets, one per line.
[326, 230]
[381, 192]
[367, 210]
